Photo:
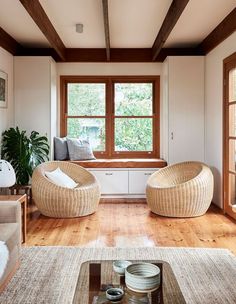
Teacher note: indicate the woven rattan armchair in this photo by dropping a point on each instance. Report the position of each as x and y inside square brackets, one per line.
[56, 201]
[180, 190]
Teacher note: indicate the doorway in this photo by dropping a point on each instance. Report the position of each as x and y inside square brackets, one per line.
[229, 134]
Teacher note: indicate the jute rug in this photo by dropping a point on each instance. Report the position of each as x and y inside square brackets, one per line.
[48, 274]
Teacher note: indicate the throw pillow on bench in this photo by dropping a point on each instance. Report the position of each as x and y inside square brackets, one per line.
[71, 148]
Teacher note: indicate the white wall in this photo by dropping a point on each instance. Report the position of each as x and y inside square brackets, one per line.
[53, 113]
[183, 109]
[183, 70]
[32, 93]
[106, 69]
[35, 95]
[164, 110]
[7, 115]
[213, 110]
[91, 69]
[186, 108]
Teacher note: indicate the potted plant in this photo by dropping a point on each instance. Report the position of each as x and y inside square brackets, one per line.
[23, 152]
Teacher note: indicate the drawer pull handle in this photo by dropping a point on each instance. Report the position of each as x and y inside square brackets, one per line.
[147, 173]
[108, 173]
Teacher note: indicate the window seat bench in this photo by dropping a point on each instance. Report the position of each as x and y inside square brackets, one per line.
[122, 163]
[123, 178]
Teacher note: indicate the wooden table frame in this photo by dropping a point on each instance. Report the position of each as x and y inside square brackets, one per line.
[91, 281]
[22, 189]
[22, 198]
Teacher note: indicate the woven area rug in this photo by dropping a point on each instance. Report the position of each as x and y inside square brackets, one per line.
[48, 274]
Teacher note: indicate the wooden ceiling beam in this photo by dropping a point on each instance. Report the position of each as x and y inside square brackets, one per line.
[9, 43]
[106, 28]
[39, 16]
[86, 55]
[116, 55]
[39, 52]
[177, 52]
[175, 10]
[125, 54]
[219, 34]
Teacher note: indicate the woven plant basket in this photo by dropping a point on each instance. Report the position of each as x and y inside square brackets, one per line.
[180, 190]
[56, 201]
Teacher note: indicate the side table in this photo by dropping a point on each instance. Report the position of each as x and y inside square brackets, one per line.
[22, 189]
[23, 200]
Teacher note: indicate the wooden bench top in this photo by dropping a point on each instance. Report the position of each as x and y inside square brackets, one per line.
[122, 163]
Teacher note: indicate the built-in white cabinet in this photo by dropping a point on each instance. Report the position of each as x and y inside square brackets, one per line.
[112, 182]
[123, 182]
[138, 180]
[182, 109]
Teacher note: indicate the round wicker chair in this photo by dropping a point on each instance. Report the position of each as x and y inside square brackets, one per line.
[56, 201]
[180, 190]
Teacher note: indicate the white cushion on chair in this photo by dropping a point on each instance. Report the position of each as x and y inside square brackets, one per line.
[61, 179]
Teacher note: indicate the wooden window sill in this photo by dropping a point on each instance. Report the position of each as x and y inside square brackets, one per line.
[122, 163]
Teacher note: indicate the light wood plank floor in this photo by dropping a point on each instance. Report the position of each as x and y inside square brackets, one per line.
[132, 224]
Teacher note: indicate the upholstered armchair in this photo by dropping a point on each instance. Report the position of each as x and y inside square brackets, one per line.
[10, 237]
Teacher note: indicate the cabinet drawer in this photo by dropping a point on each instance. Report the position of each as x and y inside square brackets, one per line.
[112, 182]
[138, 181]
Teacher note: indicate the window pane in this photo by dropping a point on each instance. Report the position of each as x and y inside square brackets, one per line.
[232, 120]
[92, 129]
[232, 85]
[232, 189]
[133, 99]
[232, 155]
[86, 99]
[133, 134]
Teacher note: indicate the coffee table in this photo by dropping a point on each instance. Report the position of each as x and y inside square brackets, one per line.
[22, 198]
[96, 276]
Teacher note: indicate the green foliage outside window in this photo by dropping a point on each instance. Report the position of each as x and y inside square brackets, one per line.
[131, 99]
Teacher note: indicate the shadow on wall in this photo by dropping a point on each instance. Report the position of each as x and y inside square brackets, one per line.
[218, 181]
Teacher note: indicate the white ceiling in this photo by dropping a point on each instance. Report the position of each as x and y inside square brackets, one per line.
[133, 23]
[15, 20]
[198, 19]
[64, 14]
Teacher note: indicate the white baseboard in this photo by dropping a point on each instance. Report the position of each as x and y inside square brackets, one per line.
[124, 196]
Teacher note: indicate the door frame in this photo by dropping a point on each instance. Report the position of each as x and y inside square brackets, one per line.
[228, 63]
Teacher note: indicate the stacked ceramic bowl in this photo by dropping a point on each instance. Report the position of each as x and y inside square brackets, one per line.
[142, 277]
[120, 266]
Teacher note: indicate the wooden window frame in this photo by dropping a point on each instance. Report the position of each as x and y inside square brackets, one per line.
[228, 64]
[109, 115]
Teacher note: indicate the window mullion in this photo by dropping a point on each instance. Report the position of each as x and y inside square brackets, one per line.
[109, 120]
